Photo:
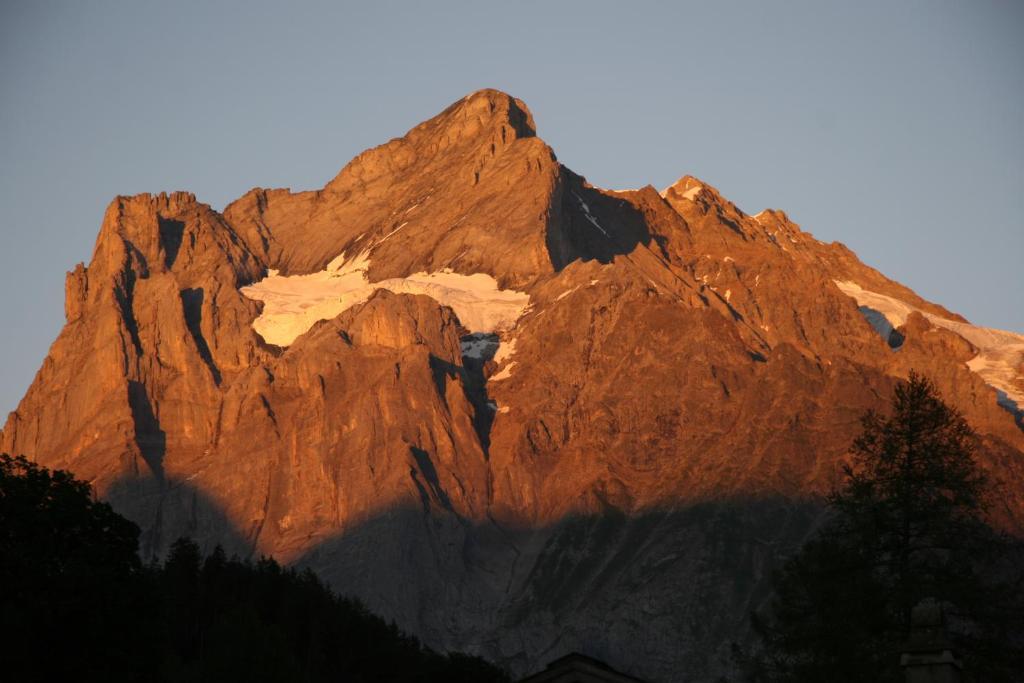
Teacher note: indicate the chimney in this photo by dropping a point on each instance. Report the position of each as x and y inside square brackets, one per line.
[928, 656]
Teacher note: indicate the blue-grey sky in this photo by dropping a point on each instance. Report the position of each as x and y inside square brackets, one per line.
[894, 127]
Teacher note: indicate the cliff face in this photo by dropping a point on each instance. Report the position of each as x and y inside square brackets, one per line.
[519, 414]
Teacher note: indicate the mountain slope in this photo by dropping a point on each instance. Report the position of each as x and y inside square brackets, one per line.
[517, 413]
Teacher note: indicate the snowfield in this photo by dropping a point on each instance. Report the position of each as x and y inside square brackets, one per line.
[692, 193]
[1000, 353]
[293, 303]
[480, 345]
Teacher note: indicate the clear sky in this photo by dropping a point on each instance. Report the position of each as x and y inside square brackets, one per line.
[894, 127]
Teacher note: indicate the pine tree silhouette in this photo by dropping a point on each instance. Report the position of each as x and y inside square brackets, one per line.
[908, 523]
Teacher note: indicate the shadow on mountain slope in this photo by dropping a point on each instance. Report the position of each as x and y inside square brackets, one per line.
[149, 436]
[586, 224]
[166, 510]
[523, 596]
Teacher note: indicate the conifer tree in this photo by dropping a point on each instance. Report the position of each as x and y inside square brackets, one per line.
[77, 604]
[908, 523]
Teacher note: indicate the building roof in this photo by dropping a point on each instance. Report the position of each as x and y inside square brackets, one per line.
[579, 668]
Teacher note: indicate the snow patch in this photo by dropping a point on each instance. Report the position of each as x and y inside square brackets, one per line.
[293, 303]
[878, 321]
[385, 237]
[479, 346]
[505, 351]
[505, 373]
[1000, 353]
[692, 193]
[566, 293]
[586, 212]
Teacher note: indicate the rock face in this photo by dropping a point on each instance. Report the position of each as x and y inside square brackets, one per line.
[614, 469]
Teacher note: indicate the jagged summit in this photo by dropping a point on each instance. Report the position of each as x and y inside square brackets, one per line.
[687, 186]
[514, 412]
[691, 189]
[485, 122]
[493, 107]
[469, 188]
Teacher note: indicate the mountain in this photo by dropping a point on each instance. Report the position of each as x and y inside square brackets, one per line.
[519, 414]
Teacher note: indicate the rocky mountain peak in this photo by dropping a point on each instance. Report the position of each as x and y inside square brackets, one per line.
[514, 412]
[687, 187]
[488, 109]
[470, 190]
[485, 122]
[691, 196]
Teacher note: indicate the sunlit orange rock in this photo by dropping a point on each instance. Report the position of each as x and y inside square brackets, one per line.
[616, 471]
